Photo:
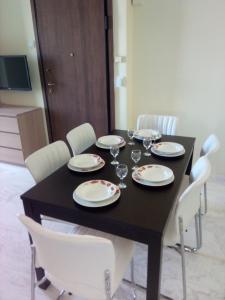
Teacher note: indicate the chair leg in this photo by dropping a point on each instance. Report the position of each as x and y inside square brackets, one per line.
[136, 285]
[205, 198]
[197, 231]
[60, 295]
[198, 239]
[133, 280]
[107, 285]
[200, 228]
[33, 254]
[33, 284]
[183, 258]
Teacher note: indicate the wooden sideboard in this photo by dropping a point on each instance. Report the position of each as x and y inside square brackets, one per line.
[21, 132]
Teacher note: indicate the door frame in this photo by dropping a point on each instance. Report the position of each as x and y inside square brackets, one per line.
[109, 66]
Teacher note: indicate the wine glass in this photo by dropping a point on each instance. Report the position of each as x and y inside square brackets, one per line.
[135, 156]
[130, 133]
[121, 172]
[114, 151]
[154, 137]
[147, 143]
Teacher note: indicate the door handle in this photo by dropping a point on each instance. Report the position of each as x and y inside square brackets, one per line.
[50, 83]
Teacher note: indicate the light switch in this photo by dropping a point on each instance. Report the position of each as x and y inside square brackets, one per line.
[120, 82]
[32, 44]
[120, 59]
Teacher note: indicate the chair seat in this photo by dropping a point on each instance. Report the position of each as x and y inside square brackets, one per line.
[171, 236]
[46, 218]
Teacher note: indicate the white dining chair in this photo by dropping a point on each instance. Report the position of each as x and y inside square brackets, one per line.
[81, 138]
[164, 124]
[88, 266]
[187, 209]
[209, 147]
[46, 161]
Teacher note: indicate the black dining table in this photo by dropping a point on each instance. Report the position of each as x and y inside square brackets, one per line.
[141, 213]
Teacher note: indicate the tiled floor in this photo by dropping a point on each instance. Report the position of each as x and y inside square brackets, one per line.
[205, 270]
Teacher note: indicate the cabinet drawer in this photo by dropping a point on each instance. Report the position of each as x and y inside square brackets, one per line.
[10, 140]
[9, 124]
[11, 156]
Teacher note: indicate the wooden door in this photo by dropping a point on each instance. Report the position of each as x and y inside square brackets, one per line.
[73, 46]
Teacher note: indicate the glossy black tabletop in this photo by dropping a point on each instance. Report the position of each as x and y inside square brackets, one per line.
[139, 213]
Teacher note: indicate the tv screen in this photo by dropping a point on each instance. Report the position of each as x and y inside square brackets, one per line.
[14, 73]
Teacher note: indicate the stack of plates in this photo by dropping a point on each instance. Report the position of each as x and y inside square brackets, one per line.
[153, 175]
[96, 193]
[86, 163]
[107, 141]
[168, 149]
[147, 133]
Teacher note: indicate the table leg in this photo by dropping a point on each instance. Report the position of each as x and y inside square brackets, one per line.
[154, 269]
[30, 212]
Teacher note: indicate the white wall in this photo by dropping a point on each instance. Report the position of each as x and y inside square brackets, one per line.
[123, 34]
[120, 69]
[175, 62]
[178, 50]
[17, 37]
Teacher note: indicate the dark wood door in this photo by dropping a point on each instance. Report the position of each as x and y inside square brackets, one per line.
[73, 49]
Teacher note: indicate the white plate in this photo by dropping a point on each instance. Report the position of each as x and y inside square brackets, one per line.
[96, 190]
[98, 167]
[167, 155]
[97, 204]
[154, 173]
[108, 147]
[85, 161]
[145, 133]
[168, 148]
[148, 183]
[110, 140]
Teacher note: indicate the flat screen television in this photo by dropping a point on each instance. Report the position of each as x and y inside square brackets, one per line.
[14, 73]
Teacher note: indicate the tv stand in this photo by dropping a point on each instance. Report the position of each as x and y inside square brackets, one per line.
[21, 132]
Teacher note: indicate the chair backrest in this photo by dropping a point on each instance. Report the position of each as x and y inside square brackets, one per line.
[189, 201]
[75, 263]
[47, 160]
[164, 124]
[210, 146]
[81, 138]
